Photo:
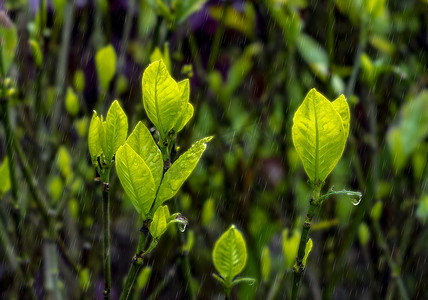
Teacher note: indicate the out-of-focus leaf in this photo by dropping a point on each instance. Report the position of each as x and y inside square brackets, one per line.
[136, 179]
[143, 278]
[71, 102]
[363, 234]
[376, 212]
[187, 8]
[105, 61]
[290, 245]
[179, 171]
[64, 162]
[8, 40]
[422, 211]
[4, 176]
[161, 97]
[55, 188]
[265, 263]
[230, 254]
[318, 136]
[157, 55]
[410, 131]
[243, 22]
[314, 55]
[208, 211]
[79, 81]
[116, 130]
[144, 145]
[37, 52]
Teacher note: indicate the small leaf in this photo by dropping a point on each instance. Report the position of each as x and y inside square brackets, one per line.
[290, 245]
[8, 40]
[143, 278]
[179, 171]
[308, 249]
[314, 55]
[161, 97]
[93, 138]
[187, 108]
[105, 61]
[160, 222]
[265, 264]
[341, 106]
[363, 234]
[136, 179]
[143, 143]
[116, 129]
[318, 136]
[4, 176]
[64, 162]
[37, 52]
[208, 211]
[230, 254]
[79, 81]
[71, 102]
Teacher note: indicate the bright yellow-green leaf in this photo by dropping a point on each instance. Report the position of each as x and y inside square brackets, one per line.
[290, 245]
[265, 264]
[64, 162]
[230, 254]
[93, 137]
[318, 136]
[159, 222]
[55, 188]
[71, 102]
[179, 171]
[8, 41]
[136, 179]
[161, 97]
[143, 143]
[116, 130]
[341, 106]
[105, 61]
[187, 108]
[308, 249]
[81, 126]
[4, 176]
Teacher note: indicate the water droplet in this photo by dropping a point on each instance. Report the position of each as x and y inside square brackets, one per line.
[182, 227]
[356, 199]
[182, 222]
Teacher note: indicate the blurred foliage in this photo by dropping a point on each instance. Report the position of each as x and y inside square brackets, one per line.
[249, 65]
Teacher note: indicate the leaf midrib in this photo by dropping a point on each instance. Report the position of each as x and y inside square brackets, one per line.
[316, 140]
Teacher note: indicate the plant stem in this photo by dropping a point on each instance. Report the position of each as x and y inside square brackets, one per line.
[106, 227]
[137, 262]
[298, 273]
[217, 38]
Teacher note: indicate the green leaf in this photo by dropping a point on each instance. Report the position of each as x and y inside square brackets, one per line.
[64, 162]
[37, 52]
[4, 176]
[136, 179]
[160, 222]
[290, 245]
[341, 106]
[158, 55]
[318, 136]
[8, 41]
[161, 97]
[105, 61]
[364, 234]
[93, 138]
[208, 211]
[308, 249]
[230, 254]
[179, 171]
[116, 130]
[143, 278]
[314, 55]
[187, 108]
[265, 263]
[143, 143]
[71, 102]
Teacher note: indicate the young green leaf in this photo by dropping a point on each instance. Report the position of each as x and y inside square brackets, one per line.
[265, 263]
[308, 249]
[116, 130]
[230, 254]
[160, 222]
[143, 143]
[179, 171]
[105, 61]
[161, 97]
[318, 135]
[93, 138]
[64, 162]
[342, 107]
[290, 245]
[187, 108]
[8, 40]
[136, 179]
[71, 102]
[4, 176]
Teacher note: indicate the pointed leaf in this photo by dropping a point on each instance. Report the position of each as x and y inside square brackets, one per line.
[230, 254]
[136, 179]
[93, 138]
[8, 40]
[342, 107]
[105, 61]
[187, 108]
[116, 129]
[184, 118]
[308, 249]
[179, 171]
[161, 97]
[71, 102]
[142, 142]
[318, 135]
[160, 222]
